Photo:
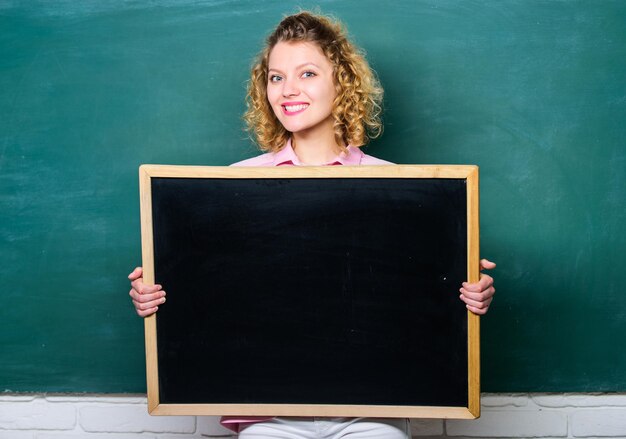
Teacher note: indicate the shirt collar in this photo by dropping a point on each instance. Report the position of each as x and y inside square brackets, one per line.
[287, 156]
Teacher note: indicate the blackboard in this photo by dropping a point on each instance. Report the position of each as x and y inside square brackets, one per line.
[531, 91]
[312, 291]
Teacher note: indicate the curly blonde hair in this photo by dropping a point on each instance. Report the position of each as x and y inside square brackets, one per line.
[357, 107]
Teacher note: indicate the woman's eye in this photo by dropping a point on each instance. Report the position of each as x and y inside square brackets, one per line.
[308, 74]
[275, 78]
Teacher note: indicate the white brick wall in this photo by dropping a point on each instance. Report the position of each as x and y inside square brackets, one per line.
[96, 417]
[125, 417]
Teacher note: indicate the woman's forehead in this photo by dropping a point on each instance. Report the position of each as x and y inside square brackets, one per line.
[291, 54]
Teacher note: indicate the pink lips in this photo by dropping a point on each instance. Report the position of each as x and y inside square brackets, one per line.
[293, 108]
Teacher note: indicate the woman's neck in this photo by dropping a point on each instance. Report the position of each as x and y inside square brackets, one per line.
[315, 150]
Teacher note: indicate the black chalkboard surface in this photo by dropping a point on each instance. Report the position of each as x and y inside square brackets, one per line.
[332, 291]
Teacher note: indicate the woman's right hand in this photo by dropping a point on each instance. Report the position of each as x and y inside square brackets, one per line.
[146, 298]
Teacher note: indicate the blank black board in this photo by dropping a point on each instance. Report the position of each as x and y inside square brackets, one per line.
[311, 291]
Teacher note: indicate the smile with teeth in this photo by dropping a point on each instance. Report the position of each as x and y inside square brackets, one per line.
[294, 108]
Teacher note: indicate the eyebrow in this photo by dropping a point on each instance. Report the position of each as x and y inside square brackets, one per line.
[297, 67]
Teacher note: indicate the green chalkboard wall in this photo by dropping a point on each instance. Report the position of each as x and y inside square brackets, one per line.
[534, 92]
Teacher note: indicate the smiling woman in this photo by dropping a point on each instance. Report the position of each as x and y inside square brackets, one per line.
[301, 91]
[313, 100]
[310, 45]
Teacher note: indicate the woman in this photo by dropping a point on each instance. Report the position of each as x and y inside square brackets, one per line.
[313, 100]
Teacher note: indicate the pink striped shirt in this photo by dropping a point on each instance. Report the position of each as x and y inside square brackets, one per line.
[287, 157]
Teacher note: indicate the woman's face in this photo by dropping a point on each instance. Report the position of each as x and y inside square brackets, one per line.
[300, 87]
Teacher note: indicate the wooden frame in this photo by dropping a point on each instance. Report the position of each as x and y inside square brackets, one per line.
[467, 173]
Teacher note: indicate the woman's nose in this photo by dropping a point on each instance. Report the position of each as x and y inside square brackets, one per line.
[290, 88]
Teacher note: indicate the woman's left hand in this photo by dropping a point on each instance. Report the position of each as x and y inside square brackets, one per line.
[478, 296]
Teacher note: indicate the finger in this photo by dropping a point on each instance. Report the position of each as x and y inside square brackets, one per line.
[145, 298]
[136, 273]
[484, 283]
[145, 306]
[142, 288]
[486, 264]
[477, 311]
[481, 296]
[147, 312]
[477, 307]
